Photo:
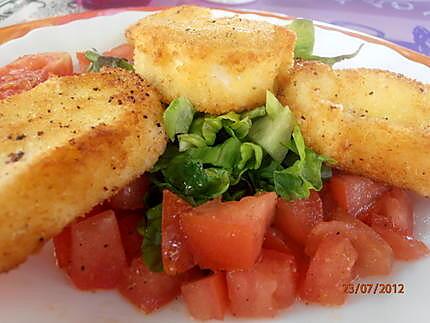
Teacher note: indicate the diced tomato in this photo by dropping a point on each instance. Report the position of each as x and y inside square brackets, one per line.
[97, 257]
[339, 214]
[131, 239]
[84, 63]
[228, 235]
[99, 208]
[131, 196]
[355, 194]
[176, 256]
[261, 291]
[284, 268]
[28, 71]
[375, 256]
[328, 202]
[275, 240]
[62, 248]
[148, 290]
[394, 211]
[206, 299]
[404, 247]
[122, 51]
[191, 275]
[297, 218]
[63, 241]
[330, 269]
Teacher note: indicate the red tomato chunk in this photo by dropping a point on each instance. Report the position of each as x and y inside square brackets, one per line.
[131, 196]
[404, 247]
[148, 290]
[125, 51]
[266, 288]
[97, 257]
[297, 218]
[83, 62]
[394, 211]
[62, 245]
[375, 256]
[28, 71]
[330, 269]
[175, 254]
[355, 194]
[206, 299]
[131, 239]
[275, 240]
[228, 235]
[122, 51]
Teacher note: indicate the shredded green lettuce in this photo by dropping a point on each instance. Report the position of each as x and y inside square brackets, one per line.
[305, 31]
[256, 113]
[151, 245]
[236, 154]
[305, 41]
[251, 156]
[296, 181]
[178, 117]
[336, 59]
[230, 156]
[190, 140]
[97, 61]
[273, 131]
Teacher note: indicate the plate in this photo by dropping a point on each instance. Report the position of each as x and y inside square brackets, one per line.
[39, 292]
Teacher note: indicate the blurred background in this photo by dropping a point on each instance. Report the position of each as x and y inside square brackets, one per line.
[405, 22]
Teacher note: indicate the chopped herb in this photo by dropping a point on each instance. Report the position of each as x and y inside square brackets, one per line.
[97, 61]
[305, 31]
[178, 117]
[236, 154]
[151, 245]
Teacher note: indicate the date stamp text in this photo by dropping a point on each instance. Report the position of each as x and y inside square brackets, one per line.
[374, 288]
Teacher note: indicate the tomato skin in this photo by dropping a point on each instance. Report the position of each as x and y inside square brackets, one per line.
[55, 63]
[355, 194]
[228, 235]
[62, 248]
[84, 63]
[375, 256]
[131, 239]
[404, 247]
[328, 202]
[394, 211]
[97, 257]
[330, 269]
[30, 70]
[191, 275]
[148, 290]
[63, 241]
[175, 254]
[297, 218]
[131, 196]
[125, 51]
[206, 299]
[277, 241]
[284, 267]
[261, 291]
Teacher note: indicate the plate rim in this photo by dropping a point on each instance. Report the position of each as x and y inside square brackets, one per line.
[284, 315]
[16, 31]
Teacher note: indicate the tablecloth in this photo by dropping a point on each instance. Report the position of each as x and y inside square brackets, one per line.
[405, 22]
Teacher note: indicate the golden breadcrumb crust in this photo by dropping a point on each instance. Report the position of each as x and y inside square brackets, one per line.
[67, 145]
[220, 64]
[373, 123]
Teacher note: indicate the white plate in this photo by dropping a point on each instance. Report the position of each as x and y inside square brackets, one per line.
[38, 292]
